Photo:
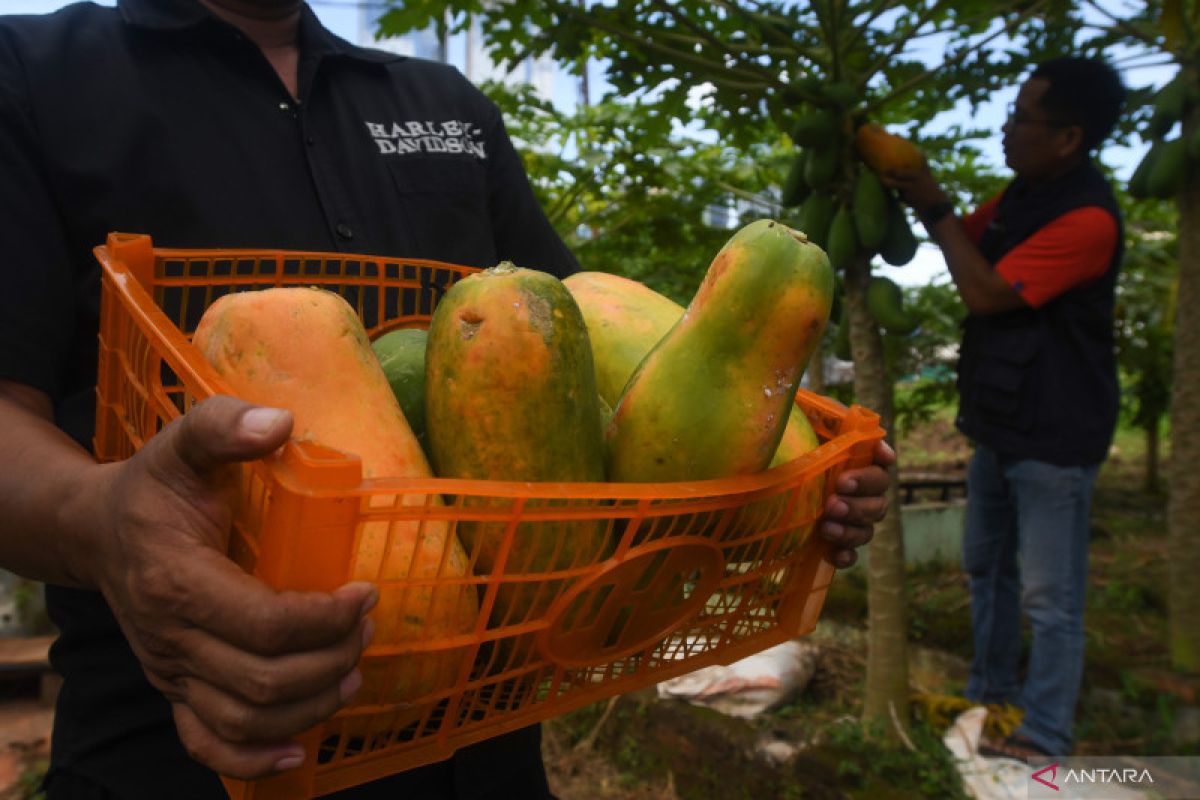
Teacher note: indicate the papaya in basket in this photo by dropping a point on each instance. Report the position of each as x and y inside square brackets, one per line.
[714, 395]
[304, 349]
[625, 319]
[510, 394]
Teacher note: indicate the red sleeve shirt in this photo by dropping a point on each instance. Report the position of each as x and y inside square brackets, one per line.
[1070, 251]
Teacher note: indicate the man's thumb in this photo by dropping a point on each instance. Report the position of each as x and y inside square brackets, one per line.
[222, 429]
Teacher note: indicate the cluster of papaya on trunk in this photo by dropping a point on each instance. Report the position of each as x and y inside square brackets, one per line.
[840, 203]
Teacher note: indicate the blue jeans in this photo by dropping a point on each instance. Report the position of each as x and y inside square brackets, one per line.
[1026, 550]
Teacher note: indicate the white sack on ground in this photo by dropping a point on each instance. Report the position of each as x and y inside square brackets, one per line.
[748, 687]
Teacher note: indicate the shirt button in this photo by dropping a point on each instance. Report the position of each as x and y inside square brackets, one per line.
[345, 231]
[285, 107]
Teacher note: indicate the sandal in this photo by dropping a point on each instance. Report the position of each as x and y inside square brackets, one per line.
[1013, 746]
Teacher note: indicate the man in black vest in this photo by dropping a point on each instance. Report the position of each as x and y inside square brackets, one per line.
[1036, 267]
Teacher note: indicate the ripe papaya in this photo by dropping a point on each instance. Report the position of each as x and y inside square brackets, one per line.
[899, 245]
[820, 166]
[870, 204]
[812, 129]
[794, 189]
[843, 239]
[1168, 170]
[816, 215]
[625, 319]
[305, 350]
[885, 152]
[730, 367]
[510, 394]
[401, 353]
[885, 301]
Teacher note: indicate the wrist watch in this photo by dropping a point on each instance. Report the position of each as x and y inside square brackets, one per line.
[933, 215]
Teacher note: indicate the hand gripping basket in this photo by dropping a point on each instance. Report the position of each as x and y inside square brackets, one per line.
[691, 574]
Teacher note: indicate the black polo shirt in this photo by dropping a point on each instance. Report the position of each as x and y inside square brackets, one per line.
[157, 117]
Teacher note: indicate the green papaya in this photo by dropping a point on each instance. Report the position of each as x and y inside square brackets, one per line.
[820, 166]
[816, 128]
[885, 301]
[714, 395]
[794, 190]
[1169, 169]
[815, 217]
[843, 239]
[1169, 106]
[1139, 181]
[401, 353]
[842, 95]
[870, 204]
[899, 245]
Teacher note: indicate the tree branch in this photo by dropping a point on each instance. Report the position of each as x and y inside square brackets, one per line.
[680, 56]
[1005, 29]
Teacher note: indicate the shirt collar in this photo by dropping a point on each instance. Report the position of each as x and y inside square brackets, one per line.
[315, 38]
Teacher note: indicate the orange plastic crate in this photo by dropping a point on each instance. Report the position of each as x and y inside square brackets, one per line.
[691, 574]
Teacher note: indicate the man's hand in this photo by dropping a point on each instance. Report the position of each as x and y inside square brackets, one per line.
[244, 667]
[859, 502]
[918, 188]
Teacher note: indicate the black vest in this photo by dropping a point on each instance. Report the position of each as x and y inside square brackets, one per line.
[1041, 383]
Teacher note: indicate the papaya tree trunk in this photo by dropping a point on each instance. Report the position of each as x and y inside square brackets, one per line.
[886, 698]
[1183, 505]
[816, 370]
[1151, 485]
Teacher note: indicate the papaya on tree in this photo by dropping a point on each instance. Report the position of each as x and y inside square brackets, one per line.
[899, 245]
[843, 239]
[795, 190]
[1168, 170]
[885, 152]
[1169, 106]
[841, 95]
[1139, 182]
[870, 204]
[816, 215]
[885, 301]
[814, 128]
[820, 166]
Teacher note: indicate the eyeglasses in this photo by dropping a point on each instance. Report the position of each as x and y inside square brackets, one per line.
[1017, 116]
